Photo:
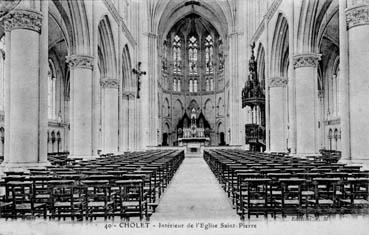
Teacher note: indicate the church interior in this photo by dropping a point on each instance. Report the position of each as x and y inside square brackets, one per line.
[147, 109]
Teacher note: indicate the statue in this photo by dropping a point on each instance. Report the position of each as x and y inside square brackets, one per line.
[139, 73]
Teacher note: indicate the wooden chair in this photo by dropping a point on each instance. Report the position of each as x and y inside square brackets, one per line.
[325, 196]
[99, 199]
[131, 199]
[240, 190]
[67, 199]
[23, 200]
[256, 202]
[355, 197]
[40, 187]
[5, 204]
[291, 198]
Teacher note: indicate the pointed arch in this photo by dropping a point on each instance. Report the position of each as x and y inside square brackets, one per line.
[106, 49]
[74, 17]
[280, 47]
[219, 13]
[220, 107]
[193, 104]
[127, 82]
[166, 108]
[260, 60]
[208, 108]
[312, 13]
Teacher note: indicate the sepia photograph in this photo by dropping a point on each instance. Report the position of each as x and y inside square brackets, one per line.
[169, 117]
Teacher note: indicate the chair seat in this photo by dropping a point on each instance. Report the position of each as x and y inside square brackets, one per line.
[131, 203]
[356, 201]
[288, 202]
[307, 193]
[5, 204]
[99, 204]
[66, 204]
[322, 202]
[257, 201]
[276, 192]
[27, 206]
[42, 196]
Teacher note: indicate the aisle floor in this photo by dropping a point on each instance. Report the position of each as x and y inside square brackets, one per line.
[194, 194]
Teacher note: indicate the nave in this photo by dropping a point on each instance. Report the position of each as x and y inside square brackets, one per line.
[141, 184]
[194, 194]
[271, 191]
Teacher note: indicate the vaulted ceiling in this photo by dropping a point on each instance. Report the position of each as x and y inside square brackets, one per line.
[166, 13]
[193, 24]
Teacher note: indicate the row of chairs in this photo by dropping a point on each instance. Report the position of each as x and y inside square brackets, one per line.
[126, 185]
[267, 184]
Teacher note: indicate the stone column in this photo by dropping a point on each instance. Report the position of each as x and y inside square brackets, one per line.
[344, 85]
[81, 106]
[321, 130]
[357, 17]
[124, 133]
[278, 130]
[291, 80]
[235, 91]
[131, 122]
[26, 87]
[109, 115]
[306, 111]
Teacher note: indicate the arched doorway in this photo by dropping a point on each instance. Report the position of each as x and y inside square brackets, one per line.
[166, 134]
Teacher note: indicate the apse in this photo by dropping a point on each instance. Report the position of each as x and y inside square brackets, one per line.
[192, 74]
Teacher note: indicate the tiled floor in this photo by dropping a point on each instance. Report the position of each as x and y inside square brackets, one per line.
[194, 194]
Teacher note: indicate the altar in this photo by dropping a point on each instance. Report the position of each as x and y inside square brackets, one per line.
[194, 137]
[194, 143]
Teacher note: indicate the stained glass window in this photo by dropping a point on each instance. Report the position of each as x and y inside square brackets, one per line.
[177, 54]
[192, 54]
[209, 46]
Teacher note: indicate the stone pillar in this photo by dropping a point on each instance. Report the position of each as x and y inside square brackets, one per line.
[356, 104]
[306, 103]
[344, 85]
[278, 130]
[291, 80]
[109, 115]
[26, 87]
[81, 106]
[131, 123]
[321, 140]
[235, 91]
[124, 133]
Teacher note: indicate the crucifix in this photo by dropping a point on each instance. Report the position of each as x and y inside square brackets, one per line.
[139, 73]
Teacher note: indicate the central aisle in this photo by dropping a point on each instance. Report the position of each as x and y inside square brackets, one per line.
[194, 194]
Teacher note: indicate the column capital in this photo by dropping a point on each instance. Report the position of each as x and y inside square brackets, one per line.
[23, 19]
[128, 94]
[306, 60]
[356, 16]
[278, 82]
[80, 61]
[109, 83]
